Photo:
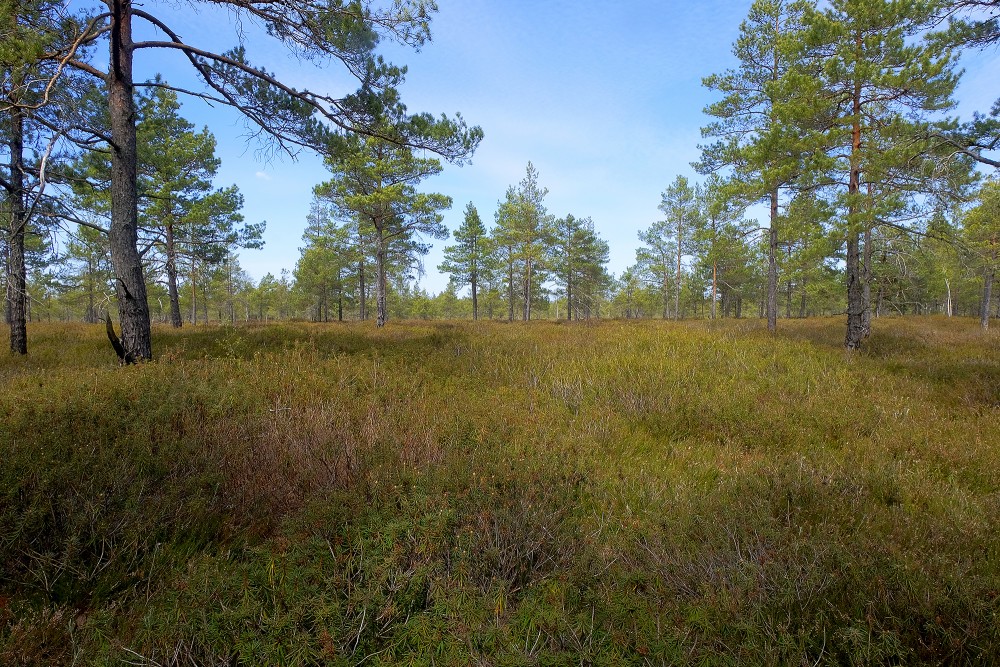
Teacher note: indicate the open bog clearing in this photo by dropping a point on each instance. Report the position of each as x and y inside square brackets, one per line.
[622, 493]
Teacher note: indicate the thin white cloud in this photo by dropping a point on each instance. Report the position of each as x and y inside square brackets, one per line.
[263, 175]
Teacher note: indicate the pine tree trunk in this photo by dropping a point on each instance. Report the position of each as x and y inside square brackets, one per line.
[91, 317]
[130, 286]
[771, 308]
[666, 297]
[677, 295]
[17, 284]
[194, 293]
[527, 290]
[175, 301]
[340, 296]
[855, 294]
[362, 289]
[802, 302]
[866, 284]
[230, 293]
[6, 301]
[475, 300]
[715, 284]
[510, 290]
[984, 311]
[569, 299]
[380, 283]
[855, 277]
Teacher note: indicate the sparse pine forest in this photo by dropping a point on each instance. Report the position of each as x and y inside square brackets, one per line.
[768, 437]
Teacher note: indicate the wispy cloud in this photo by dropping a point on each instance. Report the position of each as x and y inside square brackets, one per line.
[263, 175]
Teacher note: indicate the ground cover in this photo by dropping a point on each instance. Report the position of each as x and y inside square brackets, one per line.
[616, 493]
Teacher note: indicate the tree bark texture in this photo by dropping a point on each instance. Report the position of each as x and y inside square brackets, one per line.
[984, 311]
[771, 309]
[380, 282]
[855, 293]
[802, 302]
[17, 286]
[475, 300]
[569, 299]
[130, 286]
[855, 275]
[510, 290]
[715, 286]
[666, 296]
[677, 295]
[866, 285]
[527, 290]
[175, 301]
[362, 292]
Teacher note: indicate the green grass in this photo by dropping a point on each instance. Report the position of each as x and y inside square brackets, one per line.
[622, 493]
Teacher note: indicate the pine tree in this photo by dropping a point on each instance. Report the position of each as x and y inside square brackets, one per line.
[655, 258]
[577, 257]
[178, 206]
[374, 181]
[679, 203]
[531, 236]
[982, 229]
[36, 37]
[759, 135]
[714, 228]
[466, 260]
[327, 259]
[881, 83]
[504, 258]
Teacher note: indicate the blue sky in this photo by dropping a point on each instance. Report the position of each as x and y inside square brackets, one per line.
[604, 98]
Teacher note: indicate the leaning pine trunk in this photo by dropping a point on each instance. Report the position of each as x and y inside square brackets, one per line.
[130, 286]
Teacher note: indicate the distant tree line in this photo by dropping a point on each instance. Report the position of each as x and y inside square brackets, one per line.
[835, 119]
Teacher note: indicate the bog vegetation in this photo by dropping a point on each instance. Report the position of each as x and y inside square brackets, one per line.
[621, 493]
[273, 488]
